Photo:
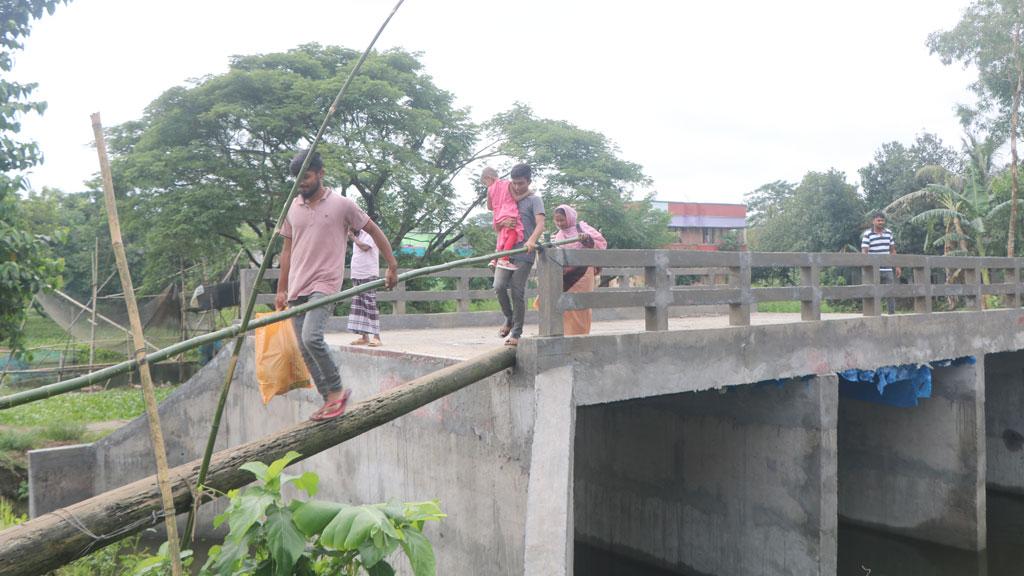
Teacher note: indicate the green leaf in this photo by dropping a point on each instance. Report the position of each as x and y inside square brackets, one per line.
[309, 483]
[367, 520]
[279, 465]
[259, 469]
[372, 552]
[337, 530]
[313, 516]
[381, 569]
[229, 555]
[420, 553]
[246, 510]
[285, 541]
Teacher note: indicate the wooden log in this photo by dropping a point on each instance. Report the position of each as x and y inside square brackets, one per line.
[59, 537]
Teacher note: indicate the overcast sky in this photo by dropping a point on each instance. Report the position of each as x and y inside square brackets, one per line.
[713, 99]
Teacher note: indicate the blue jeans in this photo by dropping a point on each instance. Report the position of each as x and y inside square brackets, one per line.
[309, 328]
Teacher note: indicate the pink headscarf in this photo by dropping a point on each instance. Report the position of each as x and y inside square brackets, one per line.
[573, 227]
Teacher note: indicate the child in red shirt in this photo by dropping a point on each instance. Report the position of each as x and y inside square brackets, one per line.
[506, 215]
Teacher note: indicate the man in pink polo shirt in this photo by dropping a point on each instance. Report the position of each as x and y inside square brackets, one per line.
[315, 235]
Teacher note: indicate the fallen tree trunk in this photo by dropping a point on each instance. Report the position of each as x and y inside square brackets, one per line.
[59, 537]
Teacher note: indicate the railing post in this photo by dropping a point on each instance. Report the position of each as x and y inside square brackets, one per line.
[549, 290]
[810, 276]
[972, 278]
[656, 315]
[739, 277]
[923, 280]
[870, 276]
[464, 291]
[399, 304]
[1016, 283]
[245, 279]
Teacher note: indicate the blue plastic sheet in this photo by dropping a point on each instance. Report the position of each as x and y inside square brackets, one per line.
[902, 386]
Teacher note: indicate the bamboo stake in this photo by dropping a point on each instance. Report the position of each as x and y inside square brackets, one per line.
[215, 427]
[51, 540]
[92, 326]
[156, 435]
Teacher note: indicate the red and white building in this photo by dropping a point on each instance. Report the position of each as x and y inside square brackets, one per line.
[701, 226]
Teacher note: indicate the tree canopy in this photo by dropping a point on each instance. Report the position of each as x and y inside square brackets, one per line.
[205, 170]
[26, 264]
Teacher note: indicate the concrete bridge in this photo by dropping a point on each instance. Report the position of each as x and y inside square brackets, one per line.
[715, 445]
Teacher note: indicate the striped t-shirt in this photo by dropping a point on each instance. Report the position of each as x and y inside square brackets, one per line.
[877, 243]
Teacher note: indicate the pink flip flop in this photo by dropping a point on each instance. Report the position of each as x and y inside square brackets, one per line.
[332, 409]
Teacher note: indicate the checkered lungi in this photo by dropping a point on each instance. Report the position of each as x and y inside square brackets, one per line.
[363, 317]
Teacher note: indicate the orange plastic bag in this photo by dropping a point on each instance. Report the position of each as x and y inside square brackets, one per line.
[279, 364]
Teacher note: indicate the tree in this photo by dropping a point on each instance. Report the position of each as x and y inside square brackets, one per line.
[582, 168]
[823, 214]
[206, 169]
[766, 201]
[989, 36]
[893, 174]
[25, 262]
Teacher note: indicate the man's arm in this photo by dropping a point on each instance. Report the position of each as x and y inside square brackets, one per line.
[391, 277]
[531, 242]
[892, 250]
[281, 299]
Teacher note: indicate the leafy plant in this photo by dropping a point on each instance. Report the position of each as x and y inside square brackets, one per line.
[8, 517]
[269, 536]
[114, 560]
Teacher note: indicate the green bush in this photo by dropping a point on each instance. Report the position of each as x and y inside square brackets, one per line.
[18, 440]
[63, 431]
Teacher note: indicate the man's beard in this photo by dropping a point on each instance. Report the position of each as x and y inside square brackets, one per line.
[307, 194]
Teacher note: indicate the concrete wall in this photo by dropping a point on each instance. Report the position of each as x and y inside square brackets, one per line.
[1004, 420]
[470, 450]
[919, 471]
[739, 481]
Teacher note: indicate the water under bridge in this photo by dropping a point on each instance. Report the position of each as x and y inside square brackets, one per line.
[715, 444]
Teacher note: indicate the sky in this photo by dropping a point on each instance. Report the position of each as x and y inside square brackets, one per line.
[713, 99]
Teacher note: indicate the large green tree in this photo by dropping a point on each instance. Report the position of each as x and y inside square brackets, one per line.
[823, 214]
[25, 261]
[583, 168]
[990, 36]
[206, 169]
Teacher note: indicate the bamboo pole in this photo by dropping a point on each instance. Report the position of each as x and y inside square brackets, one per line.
[251, 304]
[92, 322]
[52, 540]
[156, 435]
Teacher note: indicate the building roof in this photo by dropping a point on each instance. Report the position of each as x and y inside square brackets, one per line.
[704, 215]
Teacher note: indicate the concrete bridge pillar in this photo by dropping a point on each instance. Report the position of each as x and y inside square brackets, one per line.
[739, 481]
[1004, 420]
[919, 471]
[549, 500]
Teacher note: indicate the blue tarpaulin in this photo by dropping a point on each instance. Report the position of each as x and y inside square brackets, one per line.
[900, 386]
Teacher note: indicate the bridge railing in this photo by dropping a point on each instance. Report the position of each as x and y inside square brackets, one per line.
[464, 292]
[659, 290]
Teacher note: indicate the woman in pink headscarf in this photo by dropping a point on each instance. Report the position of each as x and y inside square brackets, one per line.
[577, 278]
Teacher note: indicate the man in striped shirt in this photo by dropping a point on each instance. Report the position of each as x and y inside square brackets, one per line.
[879, 240]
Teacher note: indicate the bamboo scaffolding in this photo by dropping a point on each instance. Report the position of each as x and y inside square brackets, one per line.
[52, 540]
[156, 435]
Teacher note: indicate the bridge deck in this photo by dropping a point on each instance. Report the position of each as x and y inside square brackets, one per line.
[468, 341]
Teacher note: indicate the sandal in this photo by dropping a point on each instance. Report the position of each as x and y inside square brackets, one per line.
[331, 409]
[512, 342]
[375, 343]
[358, 342]
[504, 331]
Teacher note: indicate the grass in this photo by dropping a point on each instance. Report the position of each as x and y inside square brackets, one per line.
[793, 307]
[81, 408]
